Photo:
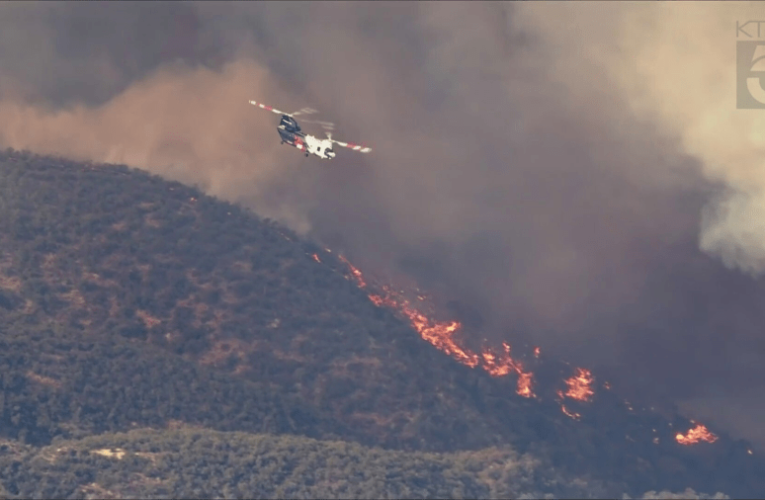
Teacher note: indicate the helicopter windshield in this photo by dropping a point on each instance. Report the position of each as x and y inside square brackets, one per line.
[290, 122]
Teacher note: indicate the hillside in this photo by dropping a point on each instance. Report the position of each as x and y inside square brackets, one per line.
[128, 301]
[192, 463]
[195, 463]
[109, 251]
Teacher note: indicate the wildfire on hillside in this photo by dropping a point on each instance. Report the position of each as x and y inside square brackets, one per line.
[441, 335]
[497, 363]
[579, 386]
[356, 273]
[695, 435]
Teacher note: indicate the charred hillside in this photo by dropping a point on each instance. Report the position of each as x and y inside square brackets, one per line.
[130, 301]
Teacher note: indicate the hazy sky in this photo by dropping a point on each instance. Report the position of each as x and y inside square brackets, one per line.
[576, 174]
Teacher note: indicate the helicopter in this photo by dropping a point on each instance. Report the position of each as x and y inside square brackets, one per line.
[291, 133]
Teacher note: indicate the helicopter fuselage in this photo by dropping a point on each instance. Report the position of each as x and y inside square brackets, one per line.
[291, 134]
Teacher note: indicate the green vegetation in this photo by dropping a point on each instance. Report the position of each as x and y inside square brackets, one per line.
[194, 463]
[55, 385]
[127, 302]
[199, 463]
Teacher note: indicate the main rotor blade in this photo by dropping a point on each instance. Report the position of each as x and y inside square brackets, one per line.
[355, 147]
[304, 111]
[324, 125]
[269, 108]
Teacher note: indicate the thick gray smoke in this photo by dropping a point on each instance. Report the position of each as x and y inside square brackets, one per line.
[556, 170]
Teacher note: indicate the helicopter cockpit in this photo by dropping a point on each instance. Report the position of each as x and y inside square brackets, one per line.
[290, 124]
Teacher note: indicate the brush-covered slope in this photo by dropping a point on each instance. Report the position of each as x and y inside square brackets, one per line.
[117, 254]
[195, 463]
[199, 463]
[129, 301]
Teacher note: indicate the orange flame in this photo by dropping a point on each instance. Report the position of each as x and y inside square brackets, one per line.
[698, 433]
[438, 334]
[441, 335]
[356, 273]
[579, 386]
[502, 364]
[524, 384]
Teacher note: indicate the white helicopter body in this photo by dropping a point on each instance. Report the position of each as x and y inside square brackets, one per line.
[291, 133]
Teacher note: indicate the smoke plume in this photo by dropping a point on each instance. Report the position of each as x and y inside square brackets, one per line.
[676, 65]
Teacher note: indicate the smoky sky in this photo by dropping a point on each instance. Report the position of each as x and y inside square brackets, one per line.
[572, 176]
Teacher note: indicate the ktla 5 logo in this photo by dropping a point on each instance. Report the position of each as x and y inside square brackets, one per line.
[750, 93]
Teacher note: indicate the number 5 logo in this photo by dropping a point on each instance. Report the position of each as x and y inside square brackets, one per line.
[750, 93]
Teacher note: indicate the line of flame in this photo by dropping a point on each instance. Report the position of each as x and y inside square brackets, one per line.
[441, 335]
